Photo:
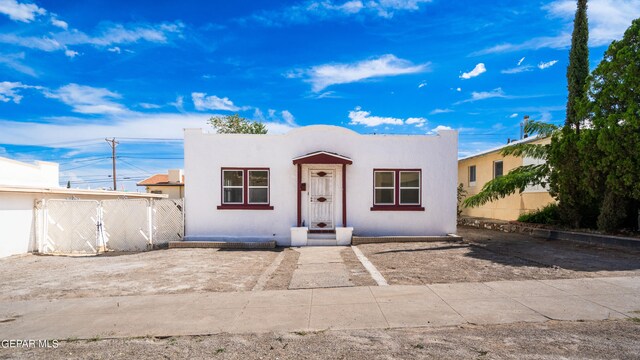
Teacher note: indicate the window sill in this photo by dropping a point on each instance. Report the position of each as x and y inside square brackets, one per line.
[397, 208]
[245, 207]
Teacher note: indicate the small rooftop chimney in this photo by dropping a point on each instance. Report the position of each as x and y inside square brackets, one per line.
[175, 176]
[523, 125]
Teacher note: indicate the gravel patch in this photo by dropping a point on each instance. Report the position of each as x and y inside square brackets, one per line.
[551, 340]
[154, 272]
[487, 255]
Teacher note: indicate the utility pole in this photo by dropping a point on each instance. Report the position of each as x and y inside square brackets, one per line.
[113, 143]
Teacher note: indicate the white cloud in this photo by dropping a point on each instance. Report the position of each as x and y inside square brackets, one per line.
[513, 116]
[361, 117]
[88, 100]
[418, 122]
[203, 102]
[438, 128]
[548, 64]
[315, 10]
[458, 89]
[479, 69]
[109, 35]
[9, 91]
[70, 53]
[288, 118]
[114, 49]
[132, 124]
[323, 76]
[440, 111]
[123, 34]
[178, 104]
[517, 69]
[149, 106]
[59, 23]
[483, 95]
[608, 20]
[20, 11]
[14, 61]
[32, 42]
[520, 61]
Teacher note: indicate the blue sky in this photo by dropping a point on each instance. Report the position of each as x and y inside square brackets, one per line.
[73, 73]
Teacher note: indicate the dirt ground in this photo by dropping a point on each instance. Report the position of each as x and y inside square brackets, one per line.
[550, 340]
[487, 255]
[154, 272]
[358, 275]
[281, 278]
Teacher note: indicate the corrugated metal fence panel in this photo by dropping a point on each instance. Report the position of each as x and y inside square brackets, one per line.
[168, 221]
[126, 224]
[71, 227]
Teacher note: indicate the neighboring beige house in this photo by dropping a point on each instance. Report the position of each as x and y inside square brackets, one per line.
[171, 184]
[476, 170]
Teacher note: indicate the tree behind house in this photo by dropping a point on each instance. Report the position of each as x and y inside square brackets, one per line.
[235, 124]
[614, 141]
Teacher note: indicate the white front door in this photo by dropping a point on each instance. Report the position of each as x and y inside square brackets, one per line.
[321, 194]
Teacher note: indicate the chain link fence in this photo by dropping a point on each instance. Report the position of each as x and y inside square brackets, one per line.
[90, 227]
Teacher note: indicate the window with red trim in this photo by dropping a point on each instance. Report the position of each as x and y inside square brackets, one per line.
[397, 189]
[245, 188]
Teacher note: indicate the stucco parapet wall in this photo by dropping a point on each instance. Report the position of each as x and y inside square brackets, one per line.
[71, 192]
[359, 240]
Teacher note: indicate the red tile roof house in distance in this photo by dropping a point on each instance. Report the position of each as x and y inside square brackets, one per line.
[171, 184]
[318, 181]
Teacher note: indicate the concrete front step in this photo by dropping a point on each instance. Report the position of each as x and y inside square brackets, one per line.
[322, 242]
[222, 245]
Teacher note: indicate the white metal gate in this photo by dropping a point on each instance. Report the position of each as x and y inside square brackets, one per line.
[72, 227]
[168, 220]
[126, 224]
[89, 227]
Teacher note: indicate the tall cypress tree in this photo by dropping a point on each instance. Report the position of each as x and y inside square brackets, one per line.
[566, 180]
[578, 69]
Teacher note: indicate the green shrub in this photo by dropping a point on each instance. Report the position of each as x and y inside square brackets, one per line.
[547, 215]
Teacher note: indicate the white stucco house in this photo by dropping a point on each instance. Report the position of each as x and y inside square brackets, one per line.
[318, 183]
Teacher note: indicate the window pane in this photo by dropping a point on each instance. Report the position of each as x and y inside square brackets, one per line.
[497, 169]
[232, 178]
[233, 195]
[258, 178]
[472, 173]
[258, 196]
[384, 179]
[384, 196]
[410, 179]
[409, 196]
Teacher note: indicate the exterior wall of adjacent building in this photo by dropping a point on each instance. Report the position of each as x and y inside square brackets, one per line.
[17, 173]
[207, 154]
[173, 192]
[510, 207]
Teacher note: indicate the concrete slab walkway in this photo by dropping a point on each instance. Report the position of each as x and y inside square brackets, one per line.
[319, 309]
[320, 267]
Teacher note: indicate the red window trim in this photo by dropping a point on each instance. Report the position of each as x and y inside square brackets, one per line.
[396, 206]
[245, 205]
